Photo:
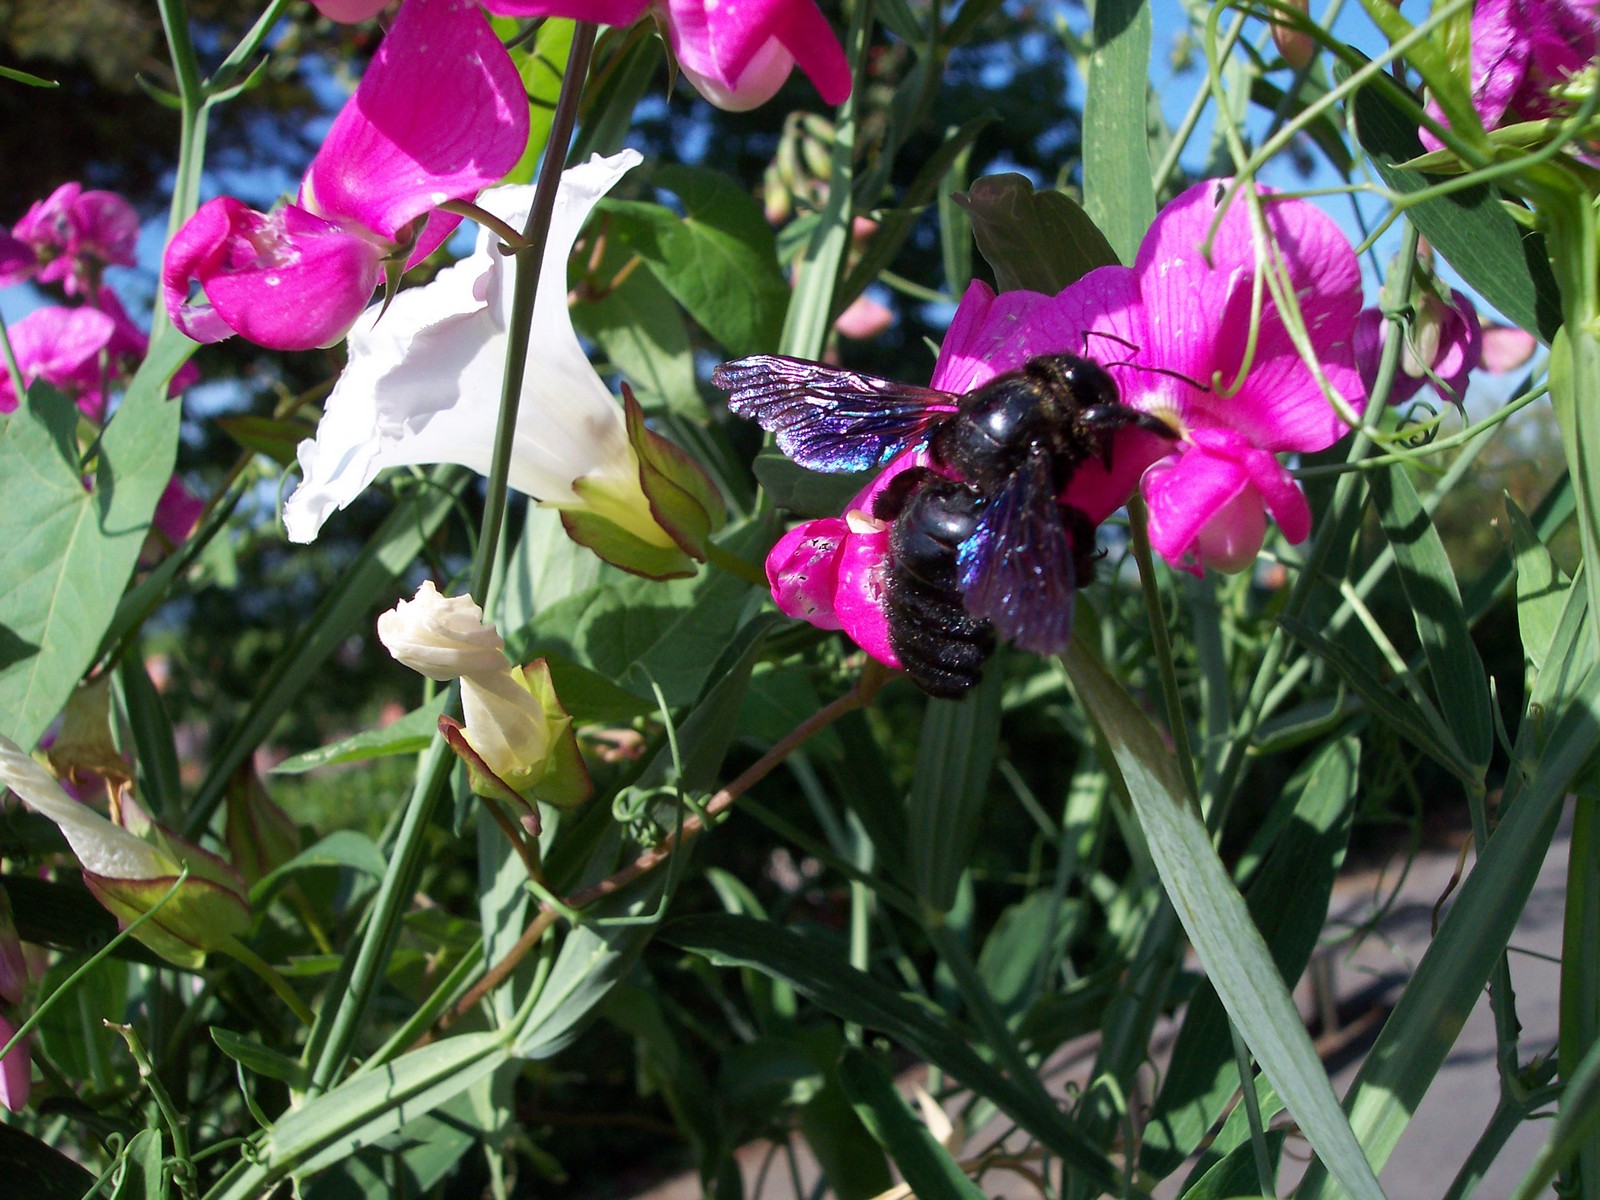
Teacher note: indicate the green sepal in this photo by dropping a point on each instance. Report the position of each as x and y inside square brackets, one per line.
[483, 781]
[565, 782]
[201, 916]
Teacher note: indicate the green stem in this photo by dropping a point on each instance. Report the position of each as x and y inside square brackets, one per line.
[524, 288]
[1139, 529]
[177, 1124]
[1252, 1111]
[1580, 969]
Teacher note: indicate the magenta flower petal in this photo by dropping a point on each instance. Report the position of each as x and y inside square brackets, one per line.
[289, 280]
[61, 346]
[350, 12]
[861, 602]
[18, 261]
[177, 512]
[803, 570]
[602, 12]
[989, 336]
[16, 1069]
[1208, 503]
[738, 54]
[440, 114]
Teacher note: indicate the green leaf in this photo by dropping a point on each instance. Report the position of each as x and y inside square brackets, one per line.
[807, 493]
[541, 64]
[38, 1170]
[1235, 1176]
[927, 1167]
[253, 1056]
[1451, 976]
[1577, 1124]
[1288, 902]
[141, 1176]
[1541, 586]
[718, 259]
[954, 757]
[1218, 922]
[277, 438]
[341, 849]
[1502, 261]
[1459, 684]
[1118, 192]
[640, 329]
[408, 735]
[1422, 729]
[635, 630]
[822, 976]
[69, 552]
[1039, 241]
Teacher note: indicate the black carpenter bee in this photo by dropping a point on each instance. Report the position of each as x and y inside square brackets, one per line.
[980, 543]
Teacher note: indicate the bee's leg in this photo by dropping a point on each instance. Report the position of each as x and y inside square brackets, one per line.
[1085, 554]
[1105, 419]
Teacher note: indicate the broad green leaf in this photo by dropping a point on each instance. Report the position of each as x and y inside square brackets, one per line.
[1038, 241]
[1541, 586]
[926, 1165]
[822, 975]
[262, 1060]
[1574, 382]
[541, 63]
[640, 329]
[1459, 684]
[362, 1110]
[276, 438]
[71, 1032]
[343, 848]
[1118, 193]
[1218, 922]
[954, 756]
[1288, 902]
[408, 735]
[547, 566]
[634, 631]
[1027, 938]
[69, 552]
[851, 1159]
[718, 259]
[807, 493]
[1501, 260]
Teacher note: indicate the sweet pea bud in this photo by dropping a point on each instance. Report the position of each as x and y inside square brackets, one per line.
[517, 741]
[130, 868]
[1296, 45]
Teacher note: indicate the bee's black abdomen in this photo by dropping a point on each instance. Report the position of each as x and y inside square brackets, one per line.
[939, 643]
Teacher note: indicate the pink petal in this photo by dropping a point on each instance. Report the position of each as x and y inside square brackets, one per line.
[105, 225]
[861, 603]
[18, 261]
[1200, 317]
[61, 346]
[803, 570]
[440, 114]
[806, 34]
[603, 12]
[16, 1069]
[288, 281]
[350, 12]
[989, 336]
[1505, 348]
[177, 512]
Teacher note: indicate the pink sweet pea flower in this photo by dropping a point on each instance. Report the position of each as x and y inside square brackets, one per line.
[1446, 342]
[1172, 330]
[61, 346]
[440, 114]
[1523, 52]
[16, 1068]
[69, 238]
[177, 512]
[736, 53]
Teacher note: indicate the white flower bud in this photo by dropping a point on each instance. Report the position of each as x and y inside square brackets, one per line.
[442, 637]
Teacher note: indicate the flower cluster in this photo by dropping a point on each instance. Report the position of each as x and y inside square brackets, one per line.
[1191, 340]
[439, 115]
[69, 238]
[735, 55]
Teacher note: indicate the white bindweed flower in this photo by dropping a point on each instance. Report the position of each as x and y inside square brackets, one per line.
[423, 386]
[515, 728]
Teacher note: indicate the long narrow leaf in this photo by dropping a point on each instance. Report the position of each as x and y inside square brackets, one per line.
[1213, 913]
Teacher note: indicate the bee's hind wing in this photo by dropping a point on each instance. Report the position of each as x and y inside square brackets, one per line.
[1016, 570]
[827, 418]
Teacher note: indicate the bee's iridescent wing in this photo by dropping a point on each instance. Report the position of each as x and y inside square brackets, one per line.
[1016, 570]
[827, 418]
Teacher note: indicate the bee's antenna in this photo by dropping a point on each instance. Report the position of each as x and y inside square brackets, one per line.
[1134, 346]
[1167, 371]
